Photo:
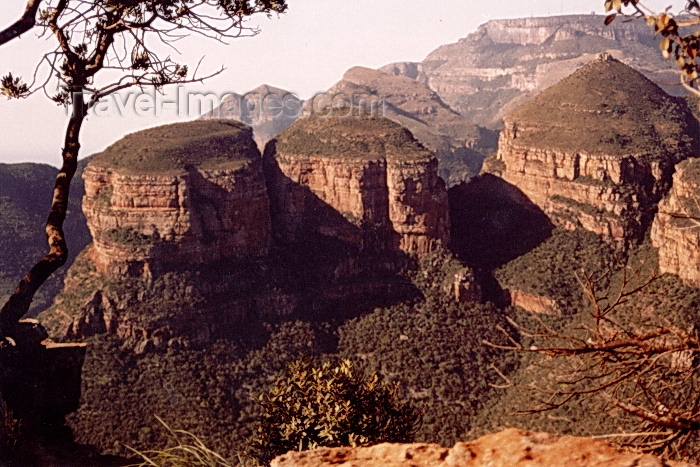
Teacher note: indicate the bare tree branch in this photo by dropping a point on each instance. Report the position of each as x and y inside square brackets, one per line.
[25, 23]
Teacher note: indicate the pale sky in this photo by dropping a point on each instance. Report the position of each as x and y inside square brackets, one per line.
[304, 51]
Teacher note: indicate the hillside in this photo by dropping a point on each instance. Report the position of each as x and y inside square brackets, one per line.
[506, 62]
[591, 154]
[267, 109]
[25, 197]
[459, 145]
[597, 109]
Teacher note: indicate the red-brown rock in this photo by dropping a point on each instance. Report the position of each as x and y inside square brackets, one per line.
[345, 177]
[167, 207]
[591, 154]
[508, 448]
[676, 228]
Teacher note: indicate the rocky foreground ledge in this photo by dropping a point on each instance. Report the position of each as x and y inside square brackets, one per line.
[508, 448]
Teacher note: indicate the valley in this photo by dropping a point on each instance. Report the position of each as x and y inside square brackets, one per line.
[420, 245]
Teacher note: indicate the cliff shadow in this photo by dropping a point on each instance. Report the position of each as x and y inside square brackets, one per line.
[342, 267]
[493, 222]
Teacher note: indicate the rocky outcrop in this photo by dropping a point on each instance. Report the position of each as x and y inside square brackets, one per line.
[181, 222]
[506, 62]
[508, 448]
[146, 222]
[364, 181]
[592, 155]
[534, 303]
[676, 228]
[459, 145]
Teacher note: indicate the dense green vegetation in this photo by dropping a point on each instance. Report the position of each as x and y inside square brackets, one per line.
[664, 301]
[433, 348]
[429, 345]
[550, 269]
[208, 144]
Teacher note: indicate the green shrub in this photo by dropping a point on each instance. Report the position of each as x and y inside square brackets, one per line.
[330, 405]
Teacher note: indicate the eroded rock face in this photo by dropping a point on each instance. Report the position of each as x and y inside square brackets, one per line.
[590, 155]
[459, 145]
[149, 222]
[506, 62]
[676, 228]
[534, 303]
[365, 182]
[508, 448]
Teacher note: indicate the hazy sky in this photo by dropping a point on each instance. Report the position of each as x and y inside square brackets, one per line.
[304, 51]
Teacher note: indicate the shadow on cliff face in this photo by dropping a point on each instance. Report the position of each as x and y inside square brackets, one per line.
[494, 222]
[343, 267]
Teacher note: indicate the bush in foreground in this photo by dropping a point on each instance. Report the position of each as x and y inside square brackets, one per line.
[331, 405]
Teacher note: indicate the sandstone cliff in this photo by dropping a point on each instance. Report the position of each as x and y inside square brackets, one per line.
[508, 448]
[181, 221]
[459, 145]
[210, 203]
[676, 228]
[506, 62]
[179, 217]
[592, 155]
[364, 181]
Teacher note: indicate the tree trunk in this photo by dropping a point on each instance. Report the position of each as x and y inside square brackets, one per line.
[18, 303]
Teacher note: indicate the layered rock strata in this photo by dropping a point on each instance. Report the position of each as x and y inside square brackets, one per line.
[364, 181]
[676, 228]
[506, 62]
[591, 154]
[182, 222]
[201, 203]
[508, 448]
[459, 145]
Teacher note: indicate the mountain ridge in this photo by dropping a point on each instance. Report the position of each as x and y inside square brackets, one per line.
[507, 61]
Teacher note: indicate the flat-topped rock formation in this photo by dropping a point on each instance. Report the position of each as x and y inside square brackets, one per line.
[187, 244]
[508, 448]
[592, 154]
[364, 181]
[174, 212]
[676, 228]
[459, 145]
[506, 62]
[181, 194]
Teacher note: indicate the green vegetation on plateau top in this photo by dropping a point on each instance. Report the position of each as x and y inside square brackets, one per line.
[350, 137]
[607, 107]
[206, 144]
